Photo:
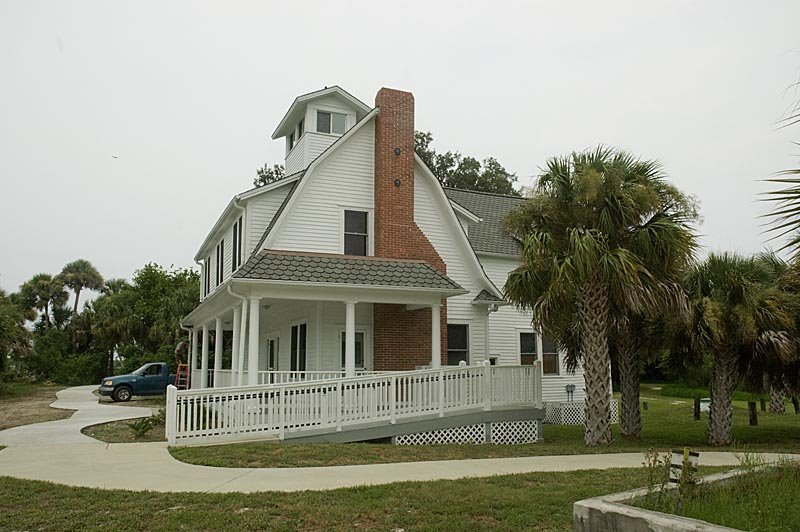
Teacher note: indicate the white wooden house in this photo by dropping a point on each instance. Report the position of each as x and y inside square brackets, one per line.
[359, 262]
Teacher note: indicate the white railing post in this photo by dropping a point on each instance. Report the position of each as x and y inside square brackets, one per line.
[537, 382]
[487, 385]
[281, 414]
[172, 414]
[393, 399]
[441, 393]
[339, 406]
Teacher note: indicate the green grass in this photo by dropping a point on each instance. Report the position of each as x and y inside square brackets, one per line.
[764, 501]
[532, 501]
[665, 425]
[120, 432]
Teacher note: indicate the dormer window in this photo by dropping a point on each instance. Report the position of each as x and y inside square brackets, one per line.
[331, 122]
[301, 128]
[291, 140]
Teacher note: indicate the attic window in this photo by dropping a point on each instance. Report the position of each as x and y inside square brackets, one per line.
[331, 122]
[291, 140]
[301, 128]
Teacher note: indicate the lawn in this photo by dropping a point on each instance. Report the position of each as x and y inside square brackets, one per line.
[26, 403]
[120, 432]
[667, 423]
[764, 500]
[531, 501]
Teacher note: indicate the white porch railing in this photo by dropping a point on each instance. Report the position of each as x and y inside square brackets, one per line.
[252, 412]
[227, 378]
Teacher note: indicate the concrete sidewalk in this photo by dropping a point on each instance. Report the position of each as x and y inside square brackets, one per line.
[82, 461]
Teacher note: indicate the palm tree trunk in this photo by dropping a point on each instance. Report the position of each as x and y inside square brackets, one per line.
[720, 411]
[777, 398]
[593, 317]
[631, 420]
[47, 315]
[75, 306]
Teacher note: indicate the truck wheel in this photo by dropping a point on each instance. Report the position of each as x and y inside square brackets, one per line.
[122, 394]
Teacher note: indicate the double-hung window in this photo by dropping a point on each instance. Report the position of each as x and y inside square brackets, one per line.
[220, 258]
[457, 344]
[236, 252]
[549, 357]
[359, 349]
[328, 122]
[527, 348]
[206, 276]
[356, 235]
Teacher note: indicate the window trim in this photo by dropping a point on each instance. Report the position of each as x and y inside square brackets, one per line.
[331, 111]
[536, 353]
[468, 351]
[363, 365]
[219, 276]
[370, 228]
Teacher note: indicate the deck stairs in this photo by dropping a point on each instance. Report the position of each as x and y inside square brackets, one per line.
[354, 408]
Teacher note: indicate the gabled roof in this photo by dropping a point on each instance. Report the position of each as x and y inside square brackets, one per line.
[486, 297]
[299, 267]
[488, 236]
[292, 116]
[244, 196]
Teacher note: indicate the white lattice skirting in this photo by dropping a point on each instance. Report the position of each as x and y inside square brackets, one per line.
[573, 413]
[497, 432]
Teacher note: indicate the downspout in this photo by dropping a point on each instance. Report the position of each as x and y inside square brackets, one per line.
[492, 308]
[242, 335]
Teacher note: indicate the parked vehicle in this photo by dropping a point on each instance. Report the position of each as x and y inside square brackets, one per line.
[150, 379]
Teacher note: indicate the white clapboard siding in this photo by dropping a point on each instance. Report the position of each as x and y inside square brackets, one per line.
[429, 216]
[260, 211]
[344, 179]
[296, 159]
[508, 322]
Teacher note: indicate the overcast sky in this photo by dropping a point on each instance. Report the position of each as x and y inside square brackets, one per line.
[126, 127]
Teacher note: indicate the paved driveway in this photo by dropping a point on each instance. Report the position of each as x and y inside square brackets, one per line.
[56, 451]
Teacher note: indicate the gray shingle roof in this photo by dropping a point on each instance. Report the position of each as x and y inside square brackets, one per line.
[341, 269]
[486, 297]
[488, 235]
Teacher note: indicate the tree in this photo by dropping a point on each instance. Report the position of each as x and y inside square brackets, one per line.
[743, 318]
[592, 234]
[266, 174]
[80, 274]
[457, 171]
[43, 292]
[14, 337]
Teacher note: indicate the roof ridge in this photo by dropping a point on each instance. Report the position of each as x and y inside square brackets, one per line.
[485, 193]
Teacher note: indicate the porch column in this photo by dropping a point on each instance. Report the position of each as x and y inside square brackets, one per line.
[350, 339]
[218, 337]
[204, 359]
[242, 338]
[237, 324]
[436, 337]
[193, 359]
[252, 355]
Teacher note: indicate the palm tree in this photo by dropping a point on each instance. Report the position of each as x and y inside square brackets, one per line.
[79, 275]
[43, 292]
[602, 238]
[744, 320]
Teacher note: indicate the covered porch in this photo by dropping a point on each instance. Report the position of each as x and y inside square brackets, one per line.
[288, 316]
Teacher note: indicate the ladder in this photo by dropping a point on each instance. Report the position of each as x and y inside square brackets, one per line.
[182, 377]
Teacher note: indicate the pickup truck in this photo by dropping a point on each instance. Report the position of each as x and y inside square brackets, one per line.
[150, 379]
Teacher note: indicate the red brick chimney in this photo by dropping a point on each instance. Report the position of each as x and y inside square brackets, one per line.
[401, 337]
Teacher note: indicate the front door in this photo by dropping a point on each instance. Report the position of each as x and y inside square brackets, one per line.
[298, 348]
